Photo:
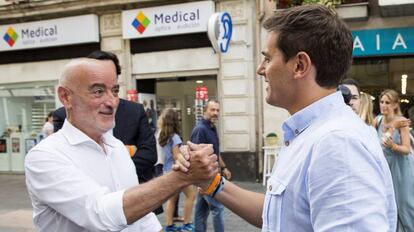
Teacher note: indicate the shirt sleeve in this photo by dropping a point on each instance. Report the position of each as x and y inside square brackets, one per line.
[346, 187]
[176, 140]
[54, 181]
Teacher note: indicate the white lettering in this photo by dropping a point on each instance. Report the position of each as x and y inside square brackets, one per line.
[378, 42]
[358, 44]
[399, 41]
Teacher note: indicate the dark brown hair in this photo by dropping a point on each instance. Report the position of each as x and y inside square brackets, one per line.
[319, 32]
[169, 126]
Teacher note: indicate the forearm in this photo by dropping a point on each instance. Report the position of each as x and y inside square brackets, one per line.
[222, 164]
[404, 150]
[143, 199]
[246, 204]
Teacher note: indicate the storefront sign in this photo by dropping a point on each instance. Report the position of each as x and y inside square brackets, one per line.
[132, 95]
[201, 93]
[166, 20]
[384, 42]
[49, 33]
[219, 31]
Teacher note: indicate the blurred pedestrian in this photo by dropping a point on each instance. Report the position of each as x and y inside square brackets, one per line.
[355, 100]
[205, 132]
[397, 149]
[47, 128]
[170, 141]
[366, 109]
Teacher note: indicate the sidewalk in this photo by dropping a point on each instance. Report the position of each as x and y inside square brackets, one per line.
[16, 209]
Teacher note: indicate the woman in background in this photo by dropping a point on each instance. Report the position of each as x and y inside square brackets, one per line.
[48, 126]
[366, 109]
[170, 141]
[395, 143]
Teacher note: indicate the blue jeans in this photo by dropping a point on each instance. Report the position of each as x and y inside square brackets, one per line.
[202, 209]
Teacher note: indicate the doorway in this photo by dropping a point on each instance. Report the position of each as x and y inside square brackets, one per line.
[179, 94]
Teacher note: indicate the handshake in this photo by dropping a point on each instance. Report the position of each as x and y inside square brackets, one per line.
[196, 164]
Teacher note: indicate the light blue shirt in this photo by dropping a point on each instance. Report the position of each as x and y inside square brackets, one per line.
[175, 140]
[331, 175]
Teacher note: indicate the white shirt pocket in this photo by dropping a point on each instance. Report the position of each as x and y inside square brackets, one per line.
[273, 206]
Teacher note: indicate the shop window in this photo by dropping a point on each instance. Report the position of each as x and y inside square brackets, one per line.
[24, 109]
[377, 74]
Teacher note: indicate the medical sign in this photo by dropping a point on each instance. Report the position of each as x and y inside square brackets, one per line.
[49, 33]
[220, 28]
[166, 20]
[383, 42]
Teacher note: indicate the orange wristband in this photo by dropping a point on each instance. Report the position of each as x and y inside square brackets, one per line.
[213, 184]
[130, 149]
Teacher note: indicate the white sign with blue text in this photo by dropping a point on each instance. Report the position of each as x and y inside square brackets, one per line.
[383, 42]
[49, 33]
[166, 20]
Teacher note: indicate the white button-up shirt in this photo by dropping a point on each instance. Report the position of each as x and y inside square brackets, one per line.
[75, 186]
[333, 175]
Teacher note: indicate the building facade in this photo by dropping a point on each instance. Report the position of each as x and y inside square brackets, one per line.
[165, 66]
[166, 56]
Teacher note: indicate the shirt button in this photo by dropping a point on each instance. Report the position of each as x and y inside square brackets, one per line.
[270, 187]
[296, 131]
[287, 143]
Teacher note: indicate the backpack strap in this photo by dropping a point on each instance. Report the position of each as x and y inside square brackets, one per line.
[378, 121]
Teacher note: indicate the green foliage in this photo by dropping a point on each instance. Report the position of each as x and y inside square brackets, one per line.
[271, 135]
[329, 3]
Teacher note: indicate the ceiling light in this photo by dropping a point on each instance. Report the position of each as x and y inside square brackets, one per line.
[404, 83]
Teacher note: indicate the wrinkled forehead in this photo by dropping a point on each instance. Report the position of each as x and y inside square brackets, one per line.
[213, 106]
[87, 72]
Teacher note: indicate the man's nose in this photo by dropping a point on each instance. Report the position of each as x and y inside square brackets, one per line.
[260, 69]
[111, 99]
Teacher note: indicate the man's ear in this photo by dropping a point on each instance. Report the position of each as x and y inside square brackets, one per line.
[64, 96]
[303, 65]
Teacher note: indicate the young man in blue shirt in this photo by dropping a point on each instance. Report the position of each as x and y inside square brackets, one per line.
[331, 175]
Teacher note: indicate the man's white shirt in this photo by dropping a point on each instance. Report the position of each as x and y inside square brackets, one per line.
[75, 185]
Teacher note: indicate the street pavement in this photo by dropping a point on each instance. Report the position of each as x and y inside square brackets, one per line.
[16, 210]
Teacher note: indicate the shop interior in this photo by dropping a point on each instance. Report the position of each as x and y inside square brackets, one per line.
[23, 109]
[179, 93]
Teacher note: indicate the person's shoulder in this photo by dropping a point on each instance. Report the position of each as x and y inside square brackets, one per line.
[59, 113]
[126, 103]
[400, 117]
[176, 138]
[50, 145]
[346, 124]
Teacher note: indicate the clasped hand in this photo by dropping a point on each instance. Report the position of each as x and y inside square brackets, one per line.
[198, 162]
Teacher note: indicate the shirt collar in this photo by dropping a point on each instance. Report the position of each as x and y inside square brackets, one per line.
[207, 123]
[76, 136]
[302, 119]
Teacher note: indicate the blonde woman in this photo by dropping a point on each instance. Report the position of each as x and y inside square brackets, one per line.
[170, 142]
[396, 146]
[366, 109]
